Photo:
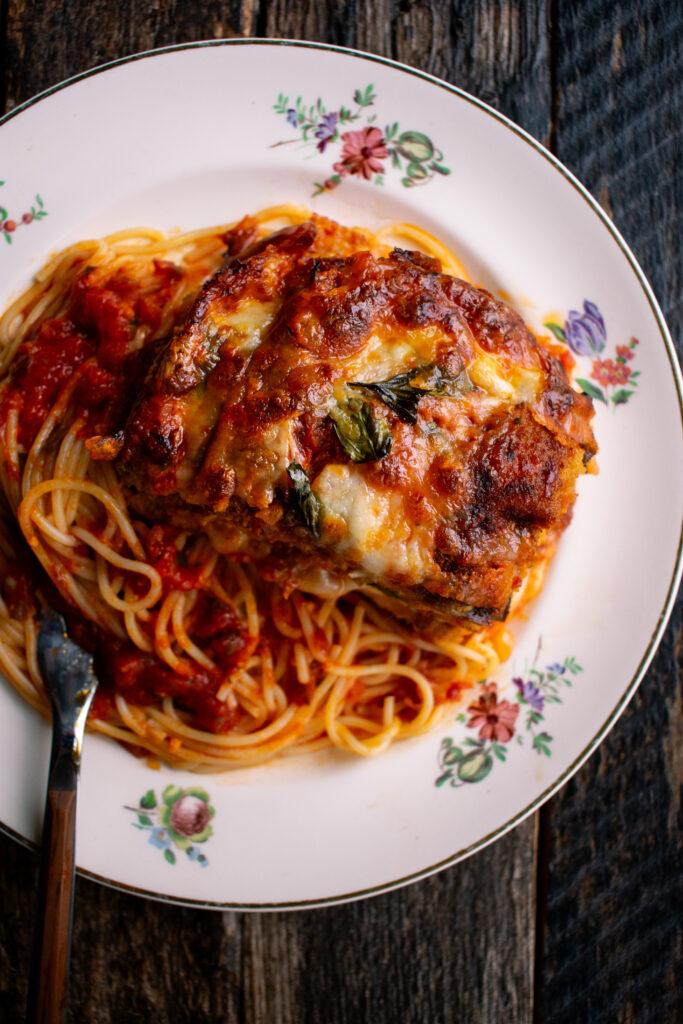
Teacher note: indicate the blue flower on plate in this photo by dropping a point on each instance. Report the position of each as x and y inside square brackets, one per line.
[160, 838]
[194, 854]
[291, 117]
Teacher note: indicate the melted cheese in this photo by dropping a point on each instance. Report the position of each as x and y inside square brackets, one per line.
[526, 383]
[371, 526]
[243, 327]
[388, 355]
[513, 385]
[486, 373]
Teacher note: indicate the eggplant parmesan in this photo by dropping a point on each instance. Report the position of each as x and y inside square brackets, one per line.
[346, 420]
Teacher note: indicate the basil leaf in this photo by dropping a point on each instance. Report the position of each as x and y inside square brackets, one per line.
[452, 387]
[403, 393]
[397, 393]
[309, 504]
[363, 438]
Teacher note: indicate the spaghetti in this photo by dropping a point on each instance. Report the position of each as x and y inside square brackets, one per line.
[203, 663]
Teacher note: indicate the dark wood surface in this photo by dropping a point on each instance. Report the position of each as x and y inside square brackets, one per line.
[577, 914]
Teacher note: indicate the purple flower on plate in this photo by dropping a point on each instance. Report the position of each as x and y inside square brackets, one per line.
[291, 117]
[585, 332]
[530, 694]
[558, 669]
[326, 129]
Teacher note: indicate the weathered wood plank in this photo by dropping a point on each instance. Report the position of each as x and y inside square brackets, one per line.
[132, 960]
[48, 40]
[619, 127]
[614, 920]
[361, 24]
[18, 895]
[500, 52]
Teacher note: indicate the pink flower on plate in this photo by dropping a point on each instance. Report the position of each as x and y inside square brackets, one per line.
[363, 153]
[189, 816]
[622, 373]
[494, 718]
[603, 371]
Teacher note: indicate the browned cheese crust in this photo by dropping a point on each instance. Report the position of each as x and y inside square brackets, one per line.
[442, 484]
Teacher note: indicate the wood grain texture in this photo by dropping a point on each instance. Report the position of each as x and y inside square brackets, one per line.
[619, 127]
[613, 940]
[426, 953]
[361, 24]
[18, 899]
[614, 919]
[50, 40]
[500, 52]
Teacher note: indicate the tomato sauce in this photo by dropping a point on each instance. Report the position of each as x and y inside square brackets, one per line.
[43, 370]
[93, 337]
[224, 636]
[144, 679]
[17, 587]
[90, 347]
[169, 562]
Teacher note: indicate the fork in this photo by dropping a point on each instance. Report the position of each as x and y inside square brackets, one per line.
[70, 682]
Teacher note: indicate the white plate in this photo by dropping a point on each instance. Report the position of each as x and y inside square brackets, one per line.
[200, 135]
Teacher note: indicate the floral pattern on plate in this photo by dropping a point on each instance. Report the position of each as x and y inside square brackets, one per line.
[498, 721]
[612, 381]
[8, 225]
[180, 820]
[364, 149]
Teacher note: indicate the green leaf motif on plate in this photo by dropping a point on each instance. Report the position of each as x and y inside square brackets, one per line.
[591, 390]
[556, 329]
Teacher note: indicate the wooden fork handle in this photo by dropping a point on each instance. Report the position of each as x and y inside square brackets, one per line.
[48, 982]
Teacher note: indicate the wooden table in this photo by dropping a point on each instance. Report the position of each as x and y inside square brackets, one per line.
[577, 914]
